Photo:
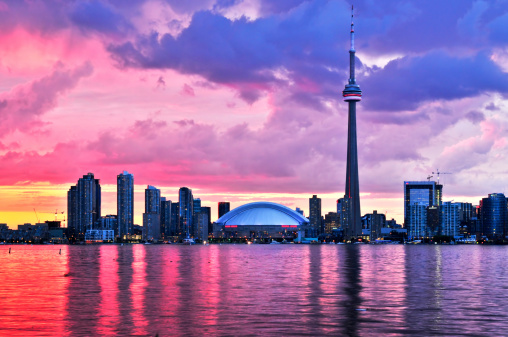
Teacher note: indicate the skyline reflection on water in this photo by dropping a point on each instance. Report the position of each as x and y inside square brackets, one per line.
[253, 290]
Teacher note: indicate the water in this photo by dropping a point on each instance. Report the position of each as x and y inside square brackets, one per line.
[232, 290]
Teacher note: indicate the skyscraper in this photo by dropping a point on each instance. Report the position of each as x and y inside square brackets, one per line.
[315, 215]
[72, 208]
[208, 211]
[352, 94]
[88, 203]
[152, 215]
[165, 217]
[125, 203]
[224, 207]
[196, 210]
[174, 226]
[186, 205]
[449, 219]
[494, 215]
[418, 197]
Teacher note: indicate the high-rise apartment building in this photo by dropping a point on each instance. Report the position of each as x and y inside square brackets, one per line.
[125, 203]
[196, 210]
[467, 212]
[208, 211]
[224, 207]
[344, 212]
[494, 215]
[201, 226]
[186, 202]
[450, 219]
[418, 196]
[174, 226]
[331, 222]
[165, 217]
[315, 215]
[152, 215]
[84, 204]
[72, 208]
[376, 222]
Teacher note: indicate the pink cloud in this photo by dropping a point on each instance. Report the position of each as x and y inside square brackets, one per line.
[22, 107]
[187, 90]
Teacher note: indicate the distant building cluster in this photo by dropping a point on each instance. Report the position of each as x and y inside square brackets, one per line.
[337, 225]
[427, 216]
[163, 220]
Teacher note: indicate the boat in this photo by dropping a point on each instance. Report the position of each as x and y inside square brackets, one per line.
[188, 242]
[275, 242]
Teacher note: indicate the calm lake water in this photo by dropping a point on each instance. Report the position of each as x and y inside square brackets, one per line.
[253, 290]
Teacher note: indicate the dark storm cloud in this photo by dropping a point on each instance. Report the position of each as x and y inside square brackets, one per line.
[405, 83]
[309, 40]
[98, 16]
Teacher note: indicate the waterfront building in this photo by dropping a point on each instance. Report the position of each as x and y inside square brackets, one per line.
[344, 211]
[201, 227]
[165, 217]
[84, 204]
[174, 226]
[186, 206]
[418, 196]
[376, 223]
[125, 203]
[450, 221]
[392, 224]
[152, 215]
[109, 222]
[352, 94]
[196, 210]
[208, 212]
[417, 218]
[494, 215]
[224, 207]
[72, 208]
[466, 214]
[368, 218]
[99, 235]
[434, 222]
[261, 220]
[315, 216]
[331, 222]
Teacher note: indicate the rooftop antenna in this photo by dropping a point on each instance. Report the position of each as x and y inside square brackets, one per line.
[352, 79]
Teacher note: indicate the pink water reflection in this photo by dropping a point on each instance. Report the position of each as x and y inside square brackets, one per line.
[33, 290]
[109, 279]
[137, 290]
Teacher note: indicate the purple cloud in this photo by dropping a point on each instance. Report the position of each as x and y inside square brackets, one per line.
[407, 82]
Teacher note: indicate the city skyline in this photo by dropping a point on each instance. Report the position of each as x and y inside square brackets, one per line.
[257, 114]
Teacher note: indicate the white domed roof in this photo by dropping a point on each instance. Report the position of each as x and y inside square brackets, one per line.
[262, 214]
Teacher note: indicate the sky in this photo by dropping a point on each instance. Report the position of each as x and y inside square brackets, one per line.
[240, 100]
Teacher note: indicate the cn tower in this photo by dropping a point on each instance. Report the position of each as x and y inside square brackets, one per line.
[352, 94]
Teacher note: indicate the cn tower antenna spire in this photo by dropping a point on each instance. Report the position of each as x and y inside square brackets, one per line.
[352, 30]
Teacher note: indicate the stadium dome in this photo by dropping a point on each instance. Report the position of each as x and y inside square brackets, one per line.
[262, 214]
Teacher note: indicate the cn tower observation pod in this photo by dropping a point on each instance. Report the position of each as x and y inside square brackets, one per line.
[261, 219]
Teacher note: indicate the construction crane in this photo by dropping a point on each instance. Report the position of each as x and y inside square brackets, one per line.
[36, 216]
[439, 173]
[428, 178]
